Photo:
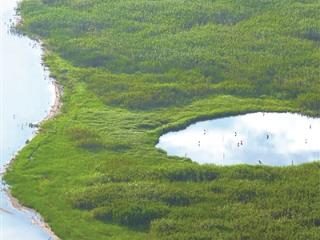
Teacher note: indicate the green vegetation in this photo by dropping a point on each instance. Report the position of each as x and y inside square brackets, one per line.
[134, 69]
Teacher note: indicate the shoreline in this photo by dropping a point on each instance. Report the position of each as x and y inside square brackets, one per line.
[57, 104]
[53, 111]
[37, 219]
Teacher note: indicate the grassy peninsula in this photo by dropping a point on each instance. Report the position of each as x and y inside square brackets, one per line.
[134, 69]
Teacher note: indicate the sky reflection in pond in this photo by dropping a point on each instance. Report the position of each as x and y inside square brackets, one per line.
[277, 139]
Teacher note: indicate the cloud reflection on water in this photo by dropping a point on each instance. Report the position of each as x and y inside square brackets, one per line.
[277, 139]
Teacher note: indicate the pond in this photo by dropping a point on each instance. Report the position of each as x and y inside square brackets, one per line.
[26, 95]
[274, 139]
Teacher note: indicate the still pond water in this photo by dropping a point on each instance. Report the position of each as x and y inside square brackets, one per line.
[275, 139]
[26, 94]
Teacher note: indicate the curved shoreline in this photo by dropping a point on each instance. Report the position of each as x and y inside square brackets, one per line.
[37, 219]
[53, 110]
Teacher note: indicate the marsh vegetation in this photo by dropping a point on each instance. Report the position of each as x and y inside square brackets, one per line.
[133, 70]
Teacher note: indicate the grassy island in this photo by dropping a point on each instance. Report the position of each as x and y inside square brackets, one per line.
[134, 69]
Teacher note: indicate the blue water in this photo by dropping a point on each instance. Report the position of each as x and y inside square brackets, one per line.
[275, 139]
[26, 94]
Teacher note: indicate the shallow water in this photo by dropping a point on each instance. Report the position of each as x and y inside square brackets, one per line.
[26, 94]
[276, 139]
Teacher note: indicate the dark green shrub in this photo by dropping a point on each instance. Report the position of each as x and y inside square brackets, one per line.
[132, 214]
